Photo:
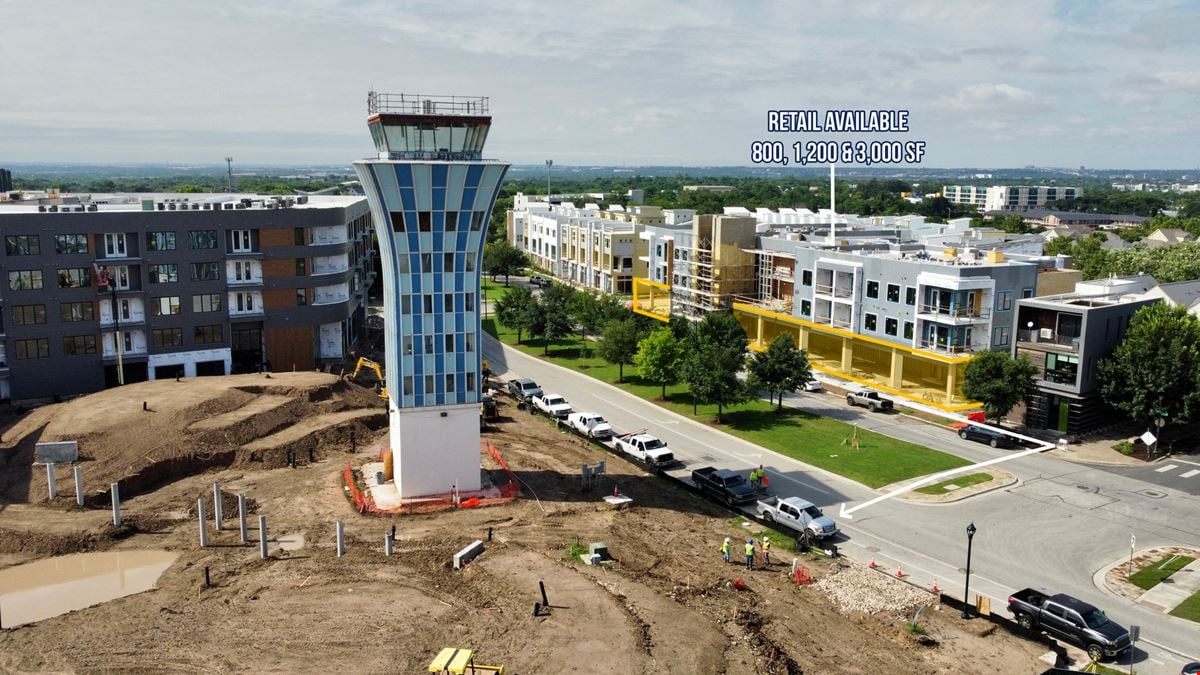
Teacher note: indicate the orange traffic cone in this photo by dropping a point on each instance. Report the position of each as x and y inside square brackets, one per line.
[935, 588]
[615, 492]
[873, 565]
[899, 572]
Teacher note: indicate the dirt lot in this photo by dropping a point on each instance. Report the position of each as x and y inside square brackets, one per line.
[667, 604]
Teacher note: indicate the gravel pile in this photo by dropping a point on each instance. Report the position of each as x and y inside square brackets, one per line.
[860, 589]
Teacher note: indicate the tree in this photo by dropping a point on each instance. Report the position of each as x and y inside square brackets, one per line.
[619, 344]
[551, 318]
[588, 313]
[998, 381]
[659, 358]
[715, 351]
[1153, 372]
[501, 257]
[516, 309]
[781, 368]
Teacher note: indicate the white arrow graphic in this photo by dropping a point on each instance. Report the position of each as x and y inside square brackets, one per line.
[937, 477]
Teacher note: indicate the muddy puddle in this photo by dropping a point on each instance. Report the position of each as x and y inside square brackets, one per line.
[46, 588]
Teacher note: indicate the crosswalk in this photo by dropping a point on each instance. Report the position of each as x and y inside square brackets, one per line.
[1188, 470]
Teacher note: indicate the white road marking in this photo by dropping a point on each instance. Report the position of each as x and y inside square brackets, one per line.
[1191, 473]
[1184, 461]
[1169, 467]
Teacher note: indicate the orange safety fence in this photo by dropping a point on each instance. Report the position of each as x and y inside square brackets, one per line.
[362, 500]
[364, 503]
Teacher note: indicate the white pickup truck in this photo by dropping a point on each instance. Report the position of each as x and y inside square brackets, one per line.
[646, 448]
[590, 424]
[553, 405]
[797, 514]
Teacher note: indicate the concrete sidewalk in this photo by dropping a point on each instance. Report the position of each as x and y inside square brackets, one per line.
[1173, 590]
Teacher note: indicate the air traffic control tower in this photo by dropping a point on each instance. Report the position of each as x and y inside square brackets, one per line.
[431, 195]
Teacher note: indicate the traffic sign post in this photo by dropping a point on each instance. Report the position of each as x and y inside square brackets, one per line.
[1132, 544]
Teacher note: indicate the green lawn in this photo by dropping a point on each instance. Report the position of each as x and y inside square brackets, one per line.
[493, 290]
[1151, 575]
[961, 481]
[827, 443]
[1189, 609]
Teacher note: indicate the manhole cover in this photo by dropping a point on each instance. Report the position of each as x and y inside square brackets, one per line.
[1153, 494]
[707, 458]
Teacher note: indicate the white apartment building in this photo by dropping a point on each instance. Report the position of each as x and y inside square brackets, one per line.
[1008, 197]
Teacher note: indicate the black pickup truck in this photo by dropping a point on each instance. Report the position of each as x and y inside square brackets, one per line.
[1069, 619]
[728, 486]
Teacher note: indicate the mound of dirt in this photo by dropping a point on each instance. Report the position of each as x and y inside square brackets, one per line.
[152, 433]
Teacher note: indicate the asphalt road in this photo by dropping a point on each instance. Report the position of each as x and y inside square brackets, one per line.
[1179, 472]
[1055, 529]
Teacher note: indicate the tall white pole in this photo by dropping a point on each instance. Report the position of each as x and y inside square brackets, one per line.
[51, 484]
[217, 504]
[341, 539]
[242, 518]
[79, 485]
[262, 536]
[203, 525]
[832, 205]
[115, 492]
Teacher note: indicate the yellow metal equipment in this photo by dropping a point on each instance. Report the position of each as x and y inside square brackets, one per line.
[460, 662]
[364, 362]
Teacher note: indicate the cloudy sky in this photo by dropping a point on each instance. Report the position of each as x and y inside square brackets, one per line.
[988, 83]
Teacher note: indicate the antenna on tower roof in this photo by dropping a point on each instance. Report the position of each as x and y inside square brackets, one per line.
[229, 174]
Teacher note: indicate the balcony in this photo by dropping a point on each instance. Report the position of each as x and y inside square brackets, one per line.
[244, 281]
[1050, 337]
[319, 270]
[946, 312]
[943, 348]
[839, 292]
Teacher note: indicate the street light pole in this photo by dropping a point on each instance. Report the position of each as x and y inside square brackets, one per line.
[549, 163]
[966, 613]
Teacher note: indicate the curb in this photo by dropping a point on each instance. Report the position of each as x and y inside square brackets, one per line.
[1015, 480]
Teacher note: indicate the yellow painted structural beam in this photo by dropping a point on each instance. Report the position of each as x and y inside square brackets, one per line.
[934, 379]
[652, 299]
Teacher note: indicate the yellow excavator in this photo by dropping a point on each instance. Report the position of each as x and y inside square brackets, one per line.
[380, 383]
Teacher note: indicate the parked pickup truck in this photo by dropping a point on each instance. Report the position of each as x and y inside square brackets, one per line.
[524, 389]
[646, 448]
[798, 514]
[590, 424]
[1069, 619]
[728, 486]
[553, 405]
[869, 399]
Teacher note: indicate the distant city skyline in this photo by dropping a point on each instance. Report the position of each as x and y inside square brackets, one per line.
[989, 84]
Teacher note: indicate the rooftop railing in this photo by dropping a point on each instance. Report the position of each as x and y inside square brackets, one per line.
[425, 104]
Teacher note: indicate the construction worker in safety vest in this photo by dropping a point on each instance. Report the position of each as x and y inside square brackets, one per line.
[749, 554]
[725, 549]
[756, 476]
[766, 547]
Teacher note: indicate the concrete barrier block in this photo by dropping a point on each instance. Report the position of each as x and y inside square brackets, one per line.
[469, 553]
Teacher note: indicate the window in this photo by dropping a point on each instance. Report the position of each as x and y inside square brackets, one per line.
[470, 300]
[1061, 368]
[425, 221]
[806, 308]
[908, 330]
[429, 385]
[806, 277]
[476, 221]
[872, 289]
[1000, 337]
[160, 241]
[23, 244]
[205, 271]
[202, 239]
[910, 296]
[166, 337]
[428, 345]
[74, 277]
[452, 221]
[29, 280]
[32, 349]
[890, 326]
[301, 297]
[301, 267]
[209, 302]
[28, 315]
[298, 236]
[893, 292]
[408, 345]
[245, 302]
[164, 274]
[405, 305]
[449, 383]
[1003, 301]
[207, 335]
[470, 342]
[77, 311]
[114, 245]
[448, 302]
[240, 241]
[470, 381]
[124, 308]
[241, 271]
[449, 343]
[426, 263]
[1026, 292]
[70, 244]
[408, 385]
[470, 265]
[164, 306]
[448, 262]
[74, 345]
[869, 322]
[428, 304]
[397, 221]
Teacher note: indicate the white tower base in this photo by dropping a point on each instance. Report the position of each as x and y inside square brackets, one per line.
[435, 449]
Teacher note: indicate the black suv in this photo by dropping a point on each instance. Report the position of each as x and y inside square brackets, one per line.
[993, 438]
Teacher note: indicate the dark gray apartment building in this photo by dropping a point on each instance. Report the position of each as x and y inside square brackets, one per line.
[114, 288]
